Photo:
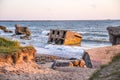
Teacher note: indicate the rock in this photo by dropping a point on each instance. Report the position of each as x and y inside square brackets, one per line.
[47, 58]
[76, 62]
[72, 58]
[68, 63]
[25, 37]
[87, 60]
[8, 31]
[5, 29]
[82, 63]
[71, 64]
[62, 63]
[114, 35]
[22, 30]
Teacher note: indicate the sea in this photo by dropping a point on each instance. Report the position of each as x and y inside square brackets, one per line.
[94, 34]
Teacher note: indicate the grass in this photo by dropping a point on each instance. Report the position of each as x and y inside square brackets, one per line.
[11, 48]
[97, 73]
[8, 43]
[116, 58]
[8, 47]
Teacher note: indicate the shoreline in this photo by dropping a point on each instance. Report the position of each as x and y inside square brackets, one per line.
[99, 56]
[41, 72]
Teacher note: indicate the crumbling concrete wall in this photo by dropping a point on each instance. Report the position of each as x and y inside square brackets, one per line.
[114, 35]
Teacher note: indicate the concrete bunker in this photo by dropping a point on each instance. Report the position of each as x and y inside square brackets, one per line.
[64, 37]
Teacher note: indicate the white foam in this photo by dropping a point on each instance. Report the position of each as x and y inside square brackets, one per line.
[62, 51]
[45, 32]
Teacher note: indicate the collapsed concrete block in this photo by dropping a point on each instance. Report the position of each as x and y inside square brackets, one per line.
[114, 35]
[64, 37]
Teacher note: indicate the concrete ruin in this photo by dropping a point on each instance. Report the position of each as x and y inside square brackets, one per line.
[64, 37]
[114, 35]
[22, 30]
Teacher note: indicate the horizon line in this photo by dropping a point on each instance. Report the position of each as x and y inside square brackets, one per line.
[63, 20]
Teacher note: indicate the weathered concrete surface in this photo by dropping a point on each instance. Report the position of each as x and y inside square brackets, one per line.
[22, 30]
[72, 38]
[65, 37]
[114, 35]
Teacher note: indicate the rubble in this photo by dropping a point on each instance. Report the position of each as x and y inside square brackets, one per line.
[58, 61]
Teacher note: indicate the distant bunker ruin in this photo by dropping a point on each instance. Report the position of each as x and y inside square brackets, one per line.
[114, 35]
[64, 37]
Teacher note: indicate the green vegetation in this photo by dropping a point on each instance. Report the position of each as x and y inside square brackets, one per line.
[8, 46]
[8, 43]
[11, 49]
[116, 58]
[113, 68]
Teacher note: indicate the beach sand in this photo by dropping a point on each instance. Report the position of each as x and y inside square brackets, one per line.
[33, 71]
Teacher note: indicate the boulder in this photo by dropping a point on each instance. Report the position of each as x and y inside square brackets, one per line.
[82, 63]
[22, 30]
[76, 62]
[5, 29]
[114, 35]
[87, 60]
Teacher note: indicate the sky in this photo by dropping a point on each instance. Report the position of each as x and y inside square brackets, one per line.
[59, 9]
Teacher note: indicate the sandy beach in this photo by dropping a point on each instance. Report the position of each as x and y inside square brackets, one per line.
[33, 71]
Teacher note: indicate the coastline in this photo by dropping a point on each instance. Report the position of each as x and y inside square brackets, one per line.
[104, 55]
